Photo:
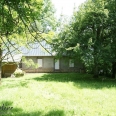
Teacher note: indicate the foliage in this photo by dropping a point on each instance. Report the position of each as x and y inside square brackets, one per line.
[23, 22]
[90, 37]
[89, 29]
[29, 63]
[18, 73]
[26, 20]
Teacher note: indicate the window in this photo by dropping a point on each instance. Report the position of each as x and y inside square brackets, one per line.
[40, 62]
[71, 63]
[57, 64]
[20, 64]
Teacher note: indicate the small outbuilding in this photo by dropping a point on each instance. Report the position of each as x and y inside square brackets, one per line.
[10, 63]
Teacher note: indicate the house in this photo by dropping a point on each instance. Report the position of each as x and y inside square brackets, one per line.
[48, 62]
[10, 63]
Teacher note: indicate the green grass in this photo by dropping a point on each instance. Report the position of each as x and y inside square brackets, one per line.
[58, 94]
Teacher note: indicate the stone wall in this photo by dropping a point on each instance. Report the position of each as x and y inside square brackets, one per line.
[48, 64]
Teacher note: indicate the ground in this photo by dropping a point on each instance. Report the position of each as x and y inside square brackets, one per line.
[57, 94]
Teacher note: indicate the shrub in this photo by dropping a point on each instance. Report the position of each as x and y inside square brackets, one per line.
[19, 73]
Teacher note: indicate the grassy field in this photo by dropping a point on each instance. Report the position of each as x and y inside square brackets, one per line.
[66, 94]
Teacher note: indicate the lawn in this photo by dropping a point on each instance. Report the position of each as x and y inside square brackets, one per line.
[57, 94]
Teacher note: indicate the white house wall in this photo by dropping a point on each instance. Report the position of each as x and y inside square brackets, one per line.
[48, 65]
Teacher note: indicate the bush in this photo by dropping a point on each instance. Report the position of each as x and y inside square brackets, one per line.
[19, 73]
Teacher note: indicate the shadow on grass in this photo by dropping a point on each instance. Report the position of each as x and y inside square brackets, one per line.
[7, 109]
[55, 113]
[80, 80]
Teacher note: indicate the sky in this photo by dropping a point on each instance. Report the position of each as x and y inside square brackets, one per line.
[66, 6]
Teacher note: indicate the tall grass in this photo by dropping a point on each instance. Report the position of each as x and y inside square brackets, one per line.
[57, 94]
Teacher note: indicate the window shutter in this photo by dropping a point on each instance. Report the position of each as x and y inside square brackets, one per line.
[40, 62]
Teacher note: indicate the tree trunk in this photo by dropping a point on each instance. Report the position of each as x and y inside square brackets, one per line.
[95, 68]
[113, 69]
[0, 62]
[0, 69]
[95, 73]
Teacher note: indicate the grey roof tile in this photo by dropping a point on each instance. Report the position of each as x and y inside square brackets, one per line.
[37, 50]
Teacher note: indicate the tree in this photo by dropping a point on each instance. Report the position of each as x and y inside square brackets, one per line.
[88, 37]
[16, 23]
[111, 5]
[92, 31]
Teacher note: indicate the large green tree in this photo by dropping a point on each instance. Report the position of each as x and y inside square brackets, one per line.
[23, 22]
[111, 6]
[90, 36]
[90, 27]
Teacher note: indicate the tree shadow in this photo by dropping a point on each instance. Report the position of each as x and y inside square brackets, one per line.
[7, 109]
[80, 80]
[61, 77]
[55, 113]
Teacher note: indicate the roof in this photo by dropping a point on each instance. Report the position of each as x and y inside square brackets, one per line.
[12, 58]
[37, 50]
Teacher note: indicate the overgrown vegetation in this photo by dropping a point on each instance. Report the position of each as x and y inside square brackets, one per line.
[24, 22]
[90, 36]
[18, 73]
[58, 94]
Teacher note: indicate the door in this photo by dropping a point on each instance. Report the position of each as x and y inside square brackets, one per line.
[57, 64]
